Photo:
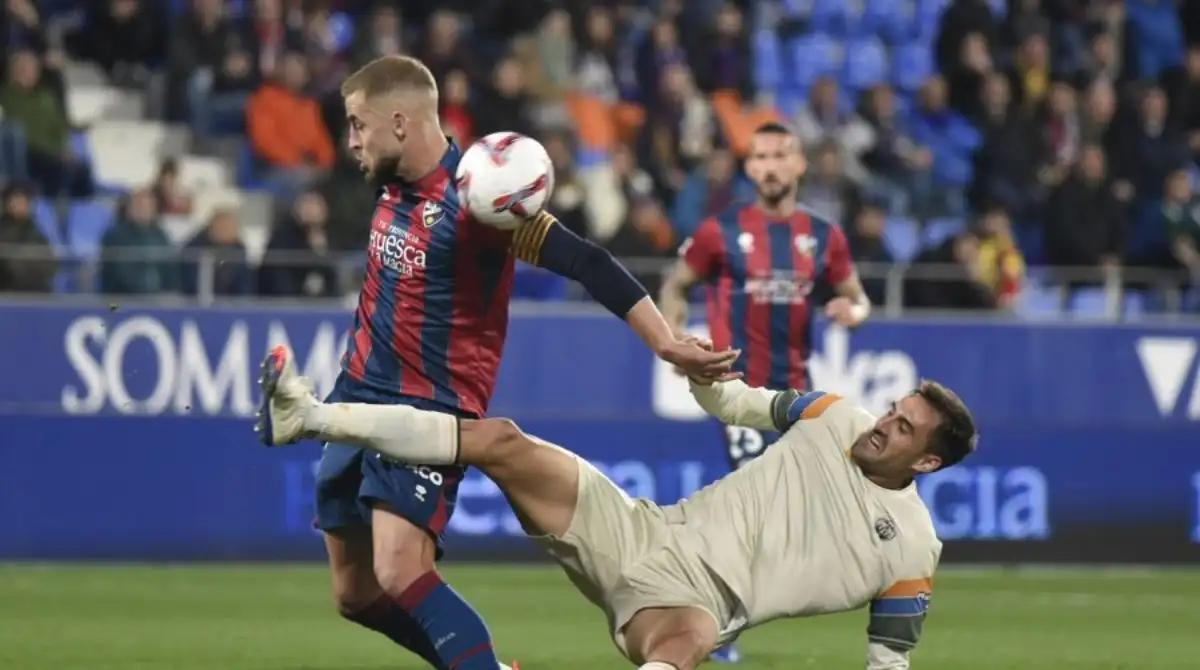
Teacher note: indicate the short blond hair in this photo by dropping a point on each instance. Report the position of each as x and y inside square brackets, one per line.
[388, 74]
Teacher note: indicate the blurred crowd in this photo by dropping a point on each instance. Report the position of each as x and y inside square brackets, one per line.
[992, 137]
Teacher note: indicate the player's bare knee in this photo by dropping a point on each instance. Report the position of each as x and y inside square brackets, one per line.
[403, 552]
[397, 571]
[492, 442]
[351, 557]
[682, 637]
[685, 648]
[350, 601]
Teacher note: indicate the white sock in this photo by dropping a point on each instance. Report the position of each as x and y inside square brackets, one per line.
[406, 434]
[657, 665]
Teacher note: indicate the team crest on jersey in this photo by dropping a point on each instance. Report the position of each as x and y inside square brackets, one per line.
[805, 244]
[432, 214]
[885, 529]
[746, 243]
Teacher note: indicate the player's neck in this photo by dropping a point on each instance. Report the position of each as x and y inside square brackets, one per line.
[426, 157]
[890, 483]
[780, 210]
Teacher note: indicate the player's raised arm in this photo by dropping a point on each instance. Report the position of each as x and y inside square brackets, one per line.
[897, 618]
[699, 257]
[736, 404]
[851, 306]
[544, 242]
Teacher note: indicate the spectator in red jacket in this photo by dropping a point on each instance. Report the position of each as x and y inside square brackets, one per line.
[286, 131]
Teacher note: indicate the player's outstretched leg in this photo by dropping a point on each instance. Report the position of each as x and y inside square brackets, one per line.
[672, 638]
[539, 479]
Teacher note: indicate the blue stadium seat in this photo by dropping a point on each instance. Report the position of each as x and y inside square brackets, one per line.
[813, 57]
[912, 64]
[247, 169]
[852, 20]
[797, 9]
[885, 19]
[342, 27]
[903, 239]
[767, 61]
[588, 157]
[829, 17]
[866, 64]
[1029, 241]
[1038, 301]
[789, 100]
[1133, 305]
[939, 230]
[82, 149]
[1191, 301]
[1037, 274]
[1088, 303]
[926, 17]
[86, 224]
[45, 217]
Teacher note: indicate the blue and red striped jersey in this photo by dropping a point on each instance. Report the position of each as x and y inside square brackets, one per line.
[760, 273]
[433, 312]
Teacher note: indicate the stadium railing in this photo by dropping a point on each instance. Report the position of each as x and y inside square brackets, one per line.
[1090, 292]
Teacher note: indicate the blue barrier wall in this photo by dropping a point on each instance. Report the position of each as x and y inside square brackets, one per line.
[127, 434]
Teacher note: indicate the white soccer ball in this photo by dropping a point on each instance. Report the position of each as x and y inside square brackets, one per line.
[505, 178]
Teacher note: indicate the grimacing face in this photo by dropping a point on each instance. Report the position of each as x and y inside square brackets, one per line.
[897, 446]
[375, 138]
[775, 165]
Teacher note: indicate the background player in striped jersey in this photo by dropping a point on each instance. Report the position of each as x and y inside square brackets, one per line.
[428, 332]
[828, 520]
[764, 264]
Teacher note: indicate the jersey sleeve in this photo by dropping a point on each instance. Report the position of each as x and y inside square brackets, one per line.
[838, 266]
[791, 406]
[897, 619]
[736, 404]
[733, 403]
[704, 250]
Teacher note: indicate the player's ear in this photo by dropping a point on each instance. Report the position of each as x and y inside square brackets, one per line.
[399, 125]
[927, 463]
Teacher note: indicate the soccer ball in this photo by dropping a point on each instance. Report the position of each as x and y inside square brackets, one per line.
[505, 178]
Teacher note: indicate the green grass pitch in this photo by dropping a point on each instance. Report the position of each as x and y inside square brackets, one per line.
[279, 618]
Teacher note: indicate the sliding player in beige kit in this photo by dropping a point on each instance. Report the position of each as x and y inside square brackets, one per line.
[827, 520]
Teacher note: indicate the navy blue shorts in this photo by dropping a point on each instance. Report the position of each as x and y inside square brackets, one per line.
[350, 479]
[743, 445]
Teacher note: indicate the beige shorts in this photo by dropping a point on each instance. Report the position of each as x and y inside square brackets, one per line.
[623, 554]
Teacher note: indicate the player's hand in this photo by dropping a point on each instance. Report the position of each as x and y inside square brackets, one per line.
[700, 363]
[702, 342]
[841, 311]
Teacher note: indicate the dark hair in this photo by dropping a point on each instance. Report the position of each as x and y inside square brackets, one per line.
[15, 189]
[827, 147]
[992, 208]
[168, 166]
[955, 438]
[772, 128]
